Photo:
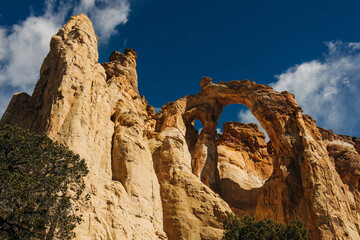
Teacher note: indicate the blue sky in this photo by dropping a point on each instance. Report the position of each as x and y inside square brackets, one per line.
[311, 48]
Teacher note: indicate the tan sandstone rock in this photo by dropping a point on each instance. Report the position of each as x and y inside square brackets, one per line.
[73, 103]
[153, 176]
[191, 209]
[244, 164]
[97, 111]
[305, 183]
[344, 152]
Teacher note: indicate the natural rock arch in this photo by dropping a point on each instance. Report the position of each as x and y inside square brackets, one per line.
[298, 186]
[207, 106]
[156, 191]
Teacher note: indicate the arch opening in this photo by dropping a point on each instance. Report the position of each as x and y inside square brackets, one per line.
[238, 113]
[198, 125]
[193, 129]
[244, 162]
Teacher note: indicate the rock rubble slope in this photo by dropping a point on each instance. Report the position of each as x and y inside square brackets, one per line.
[154, 176]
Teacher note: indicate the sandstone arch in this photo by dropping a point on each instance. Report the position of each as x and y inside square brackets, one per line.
[303, 181]
[150, 190]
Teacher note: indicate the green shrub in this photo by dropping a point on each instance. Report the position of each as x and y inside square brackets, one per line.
[41, 183]
[249, 229]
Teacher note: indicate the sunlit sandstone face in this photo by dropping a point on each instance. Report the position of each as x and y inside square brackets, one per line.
[153, 176]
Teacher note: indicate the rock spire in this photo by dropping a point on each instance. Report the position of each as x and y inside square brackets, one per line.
[154, 176]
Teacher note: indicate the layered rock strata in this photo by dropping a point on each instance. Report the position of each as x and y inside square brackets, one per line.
[153, 176]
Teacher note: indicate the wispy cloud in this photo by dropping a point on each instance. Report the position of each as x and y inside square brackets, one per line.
[105, 14]
[2, 43]
[24, 45]
[328, 90]
[4, 101]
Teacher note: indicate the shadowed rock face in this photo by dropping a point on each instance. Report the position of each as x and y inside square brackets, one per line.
[153, 176]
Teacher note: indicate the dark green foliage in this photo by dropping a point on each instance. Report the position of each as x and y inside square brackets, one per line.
[249, 229]
[40, 184]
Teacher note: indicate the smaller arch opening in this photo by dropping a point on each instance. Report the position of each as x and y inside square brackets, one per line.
[198, 125]
[193, 131]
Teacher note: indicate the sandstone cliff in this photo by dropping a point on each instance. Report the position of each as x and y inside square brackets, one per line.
[153, 176]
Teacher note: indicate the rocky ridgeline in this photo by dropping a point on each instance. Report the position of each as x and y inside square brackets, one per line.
[153, 176]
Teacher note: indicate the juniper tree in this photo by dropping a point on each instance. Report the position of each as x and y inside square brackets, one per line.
[248, 228]
[41, 183]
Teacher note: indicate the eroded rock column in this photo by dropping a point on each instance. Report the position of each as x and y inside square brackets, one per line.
[204, 154]
[191, 209]
[131, 162]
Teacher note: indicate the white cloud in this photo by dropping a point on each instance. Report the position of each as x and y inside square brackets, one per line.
[328, 90]
[246, 116]
[105, 14]
[354, 45]
[3, 43]
[4, 101]
[24, 46]
[27, 45]
[219, 131]
[85, 5]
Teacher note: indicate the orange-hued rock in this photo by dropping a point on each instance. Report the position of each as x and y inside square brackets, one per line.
[344, 152]
[304, 183]
[244, 164]
[250, 141]
[154, 176]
